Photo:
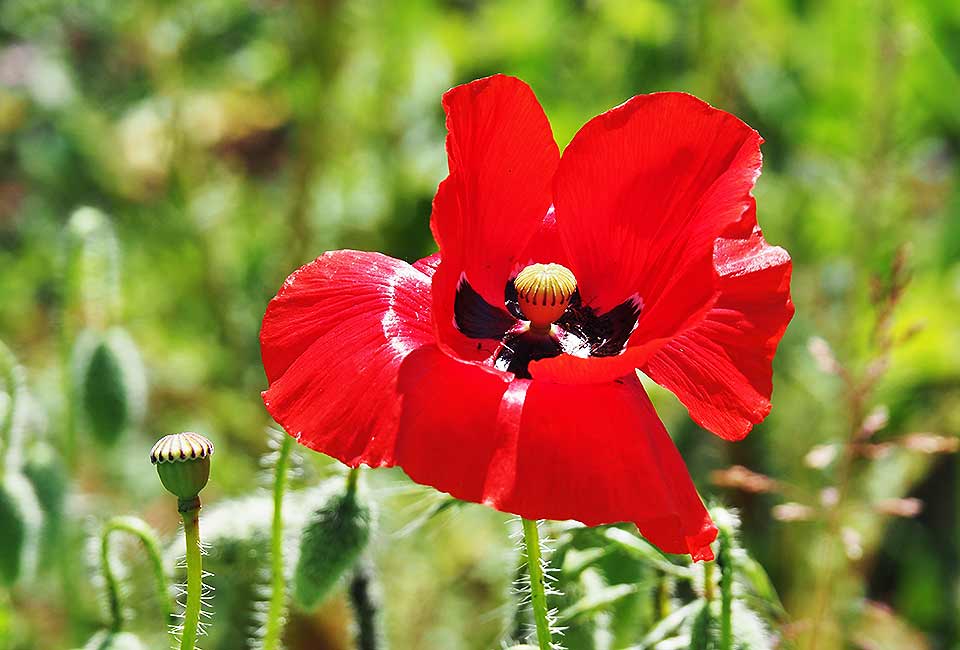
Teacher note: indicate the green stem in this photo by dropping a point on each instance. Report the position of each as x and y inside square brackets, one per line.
[725, 560]
[352, 477]
[271, 637]
[139, 529]
[664, 588]
[538, 594]
[709, 587]
[191, 615]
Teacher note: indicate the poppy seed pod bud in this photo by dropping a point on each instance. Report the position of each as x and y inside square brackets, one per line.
[111, 382]
[183, 463]
[331, 541]
[12, 541]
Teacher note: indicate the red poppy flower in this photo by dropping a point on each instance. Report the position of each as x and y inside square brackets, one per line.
[503, 368]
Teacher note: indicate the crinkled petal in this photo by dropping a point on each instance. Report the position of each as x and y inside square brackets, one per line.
[428, 265]
[501, 157]
[642, 194]
[721, 367]
[332, 343]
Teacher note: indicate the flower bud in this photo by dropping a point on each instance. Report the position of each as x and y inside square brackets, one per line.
[13, 538]
[332, 539]
[705, 628]
[44, 470]
[183, 463]
[107, 640]
[111, 382]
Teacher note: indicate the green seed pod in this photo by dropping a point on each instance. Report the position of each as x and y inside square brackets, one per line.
[183, 463]
[13, 539]
[107, 640]
[332, 539]
[705, 629]
[111, 382]
[44, 470]
[20, 521]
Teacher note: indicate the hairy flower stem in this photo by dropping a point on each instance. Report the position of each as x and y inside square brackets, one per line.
[538, 594]
[725, 560]
[191, 615]
[664, 588]
[140, 530]
[353, 476]
[709, 588]
[366, 609]
[278, 586]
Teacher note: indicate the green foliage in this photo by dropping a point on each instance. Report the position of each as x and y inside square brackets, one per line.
[333, 537]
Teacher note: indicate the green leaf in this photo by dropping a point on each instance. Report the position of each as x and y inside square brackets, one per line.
[752, 574]
[597, 601]
[641, 548]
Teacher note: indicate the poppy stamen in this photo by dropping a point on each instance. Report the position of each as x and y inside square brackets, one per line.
[543, 293]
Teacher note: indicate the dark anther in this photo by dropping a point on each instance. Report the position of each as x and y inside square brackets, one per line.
[605, 334]
[512, 300]
[580, 330]
[477, 318]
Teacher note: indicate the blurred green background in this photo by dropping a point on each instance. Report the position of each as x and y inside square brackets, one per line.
[227, 142]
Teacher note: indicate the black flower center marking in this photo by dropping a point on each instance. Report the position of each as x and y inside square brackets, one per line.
[543, 317]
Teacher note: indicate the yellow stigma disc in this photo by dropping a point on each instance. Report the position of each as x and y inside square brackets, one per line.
[544, 291]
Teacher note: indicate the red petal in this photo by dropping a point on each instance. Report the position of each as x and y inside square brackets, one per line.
[600, 454]
[597, 454]
[448, 427]
[642, 193]
[332, 342]
[428, 265]
[721, 367]
[502, 156]
[545, 246]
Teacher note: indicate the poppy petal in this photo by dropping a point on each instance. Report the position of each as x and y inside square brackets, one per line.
[721, 367]
[545, 246]
[501, 157]
[606, 461]
[332, 343]
[447, 429]
[428, 265]
[642, 193]
[547, 457]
